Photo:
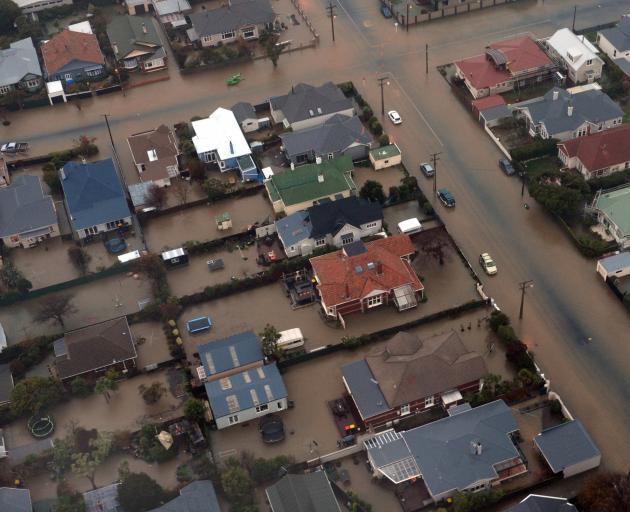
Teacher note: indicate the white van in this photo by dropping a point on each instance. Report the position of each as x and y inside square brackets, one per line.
[410, 226]
[291, 339]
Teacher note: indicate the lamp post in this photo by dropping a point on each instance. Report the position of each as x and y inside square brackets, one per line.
[523, 285]
[382, 81]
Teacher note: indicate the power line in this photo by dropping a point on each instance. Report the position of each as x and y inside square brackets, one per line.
[331, 12]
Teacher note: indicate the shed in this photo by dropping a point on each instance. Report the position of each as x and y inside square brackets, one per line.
[385, 156]
[175, 257]
[129, 256]
[568, 449]
[617, 265]
[224, 221]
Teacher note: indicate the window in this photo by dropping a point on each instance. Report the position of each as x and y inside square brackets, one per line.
[429, 402]
[405, 409]
[330, 156]
[5, 89]
[32, 83]
[371, 225]
[68, 76]
[227, 35]
[279, 405]
[262, 407]
[320, 241]
[93, 72]
[233, 419]
[90, 231]
[348, 238]
[589, 62]
[374, 301]
[248, 33]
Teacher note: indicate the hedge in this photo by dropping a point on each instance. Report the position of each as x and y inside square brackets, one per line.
[540, 147]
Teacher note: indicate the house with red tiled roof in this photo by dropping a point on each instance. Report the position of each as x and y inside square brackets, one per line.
[505, 65]
[361, 276]
[599, 154]
[73, 57]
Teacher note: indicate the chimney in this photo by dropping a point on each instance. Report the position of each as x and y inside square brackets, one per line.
[318, 160]
[347, 291]
[570, 109]
[475, 448]
[555, 94]
[144, 29]
[320, 177]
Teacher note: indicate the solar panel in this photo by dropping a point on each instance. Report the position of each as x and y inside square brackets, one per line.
[402, 470]
[234, 357]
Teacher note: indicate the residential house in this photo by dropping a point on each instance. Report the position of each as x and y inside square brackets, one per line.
[197, 496]
[136, 43]
[568, 449]
[219, 139]
[172, 12]
[27, 215]
[73, 57]
[329, 223]
[155, 155]
[576, 54]
[471, 450]
[615, 266]
[538, 503]
[615, 42]
[6, 384]
[409, 375]
[15, 500]
[246, 117]
[19, 67]
[385, 156]
[310, 492]
[504, 66]
[94, 197]
[238, 19]
[340, 135]
[563, 115]
[311, 184]
[491, 110]
[598, 154]
[364, 276]
[92, 350]
[613, 213]
[33, 6]
[239, 385]
[307, 106]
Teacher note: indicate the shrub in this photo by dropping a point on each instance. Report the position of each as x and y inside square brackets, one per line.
[81, 388]
[427, 208]
[383, 140]
[555, 407]
[540, 147]
[377, 128]
[497, 319]
[506, 334]
[266, 470]
[366, 113]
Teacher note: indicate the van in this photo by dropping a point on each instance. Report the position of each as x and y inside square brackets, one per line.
[410, 226]
[291, 339]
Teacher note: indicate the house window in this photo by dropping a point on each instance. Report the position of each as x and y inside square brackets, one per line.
[589, 62]
[262, 407]
[248, 33]
[299, 159]
[279, 405]
[346, 239]
[320, 241]
[115, 224]
[233, 419]
[371, 225]
[330, 156]
[227, 35]
[429, 402]
[5, 89]
[32, 83]
[405, 409]
[374, 301]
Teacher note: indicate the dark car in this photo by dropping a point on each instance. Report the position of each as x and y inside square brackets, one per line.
[385, 11]
[272, 429]
[427, 170]
[446, 197]
[506, 165]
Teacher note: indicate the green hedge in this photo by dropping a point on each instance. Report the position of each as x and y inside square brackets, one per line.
[540, 147]
[588, 246]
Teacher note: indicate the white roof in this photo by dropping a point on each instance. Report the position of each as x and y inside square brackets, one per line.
[409, 224]
[129, 256]
[267, 172]
[83, 27]
[221, 133]
[54, 87]
[290, 335]
[574, 50]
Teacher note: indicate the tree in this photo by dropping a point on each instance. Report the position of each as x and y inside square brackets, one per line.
[9, 11]
[435, 245]
[156, 196]
[106, 384]
[80, 387]
[13, 279]
[605, 492]
[35, 394]
[55, 307]
[180, 190]
[373, 191]
[269, 337]
[269, 41]
[152, 394]
[68, 499]
[196, 169]
[474, 501]
[152, 267]
[236, 483]
[194, 409]
[62, 452]
[85, 464]
[138, 492]
[79, 258]
[84, 146]
[214, 187]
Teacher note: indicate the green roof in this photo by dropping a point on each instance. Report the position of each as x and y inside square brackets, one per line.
[224, 217]
[128, 32]
[616, 205]
[385, 152]
[302, 184]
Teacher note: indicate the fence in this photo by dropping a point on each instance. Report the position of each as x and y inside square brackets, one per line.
[306, 19]
[400, 10]
[496, 140]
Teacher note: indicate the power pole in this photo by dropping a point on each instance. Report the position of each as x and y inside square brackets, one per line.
[522, 183]
[109, 131]
[434, 159]
[382, 81]
[407, 18]
[331, 13]
[111, 138]
[523, 285]
[426, 60]
[574, 13]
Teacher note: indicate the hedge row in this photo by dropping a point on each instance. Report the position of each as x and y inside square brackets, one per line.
[515, 350]
[540, 147]
[588, 246]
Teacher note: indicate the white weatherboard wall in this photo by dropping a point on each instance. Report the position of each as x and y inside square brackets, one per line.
[251, 414]
[581, 467]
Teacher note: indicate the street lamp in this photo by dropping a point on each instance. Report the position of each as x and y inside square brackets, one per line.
[523, 285]
[382, 81]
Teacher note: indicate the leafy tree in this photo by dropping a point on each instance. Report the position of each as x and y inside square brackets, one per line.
[35, 394]
[383, 140]
[194, 409]
[196, 169]
[214, 187]
[373, 191]
[156, 196]
[68, 499]
[266, 470]
[605, 492]
[80, 387]
[152, 267]
[236, 483]
[85, 464]
[562, 201]
[269, 41]
[474, 501]
[13, 279]
[79, 258]
[269, 338]
[27, 28]
[55, 307]
[138, 492]
[497, 319]
[9, 11]
[152, 394]
[84, 146]
[51, 177]
[62, 451]
[106, 383]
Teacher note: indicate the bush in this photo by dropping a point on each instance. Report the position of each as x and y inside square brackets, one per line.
[555, 407]
[347, 88]
[497, 319]
[506, 334]
[383, 140]
[266, 470]
[427, 208]
[377, 128]
[366, 113]
[81, 388]
[540, 147]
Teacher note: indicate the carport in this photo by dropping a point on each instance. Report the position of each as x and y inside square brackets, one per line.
[55, 90]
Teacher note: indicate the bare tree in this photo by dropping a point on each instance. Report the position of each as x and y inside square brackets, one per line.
[55, 307]
[79, 258]
[156, 196]
[180, 190]
[435, 244]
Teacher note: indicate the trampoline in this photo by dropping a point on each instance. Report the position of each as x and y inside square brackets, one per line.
[200, 324]
[41, 426]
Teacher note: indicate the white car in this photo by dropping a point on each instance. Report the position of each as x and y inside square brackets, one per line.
[394, 117]
[488, 264]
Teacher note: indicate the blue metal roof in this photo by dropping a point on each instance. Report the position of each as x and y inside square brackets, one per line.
[245, 390]
[229, 353]
[364, 389]
[566, 444]
[198, 496]
[93, 192]
[616, 262]
[294, 228]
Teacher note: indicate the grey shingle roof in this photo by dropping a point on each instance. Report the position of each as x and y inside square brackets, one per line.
[232, 17]
[619, 36]
[243, 111]
[198, 496]
[93, 193]
[536, 503]
[131, 33]
[566, 444]
[6, 383]
[294, 228]
[304, 98]
[229, 353]
[327, 218]
[336, 134]
[310, 492]
[17, 61]
[24, 207]
[15, 500]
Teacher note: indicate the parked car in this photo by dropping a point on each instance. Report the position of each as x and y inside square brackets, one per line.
[488, 264]
[394, 117]
[386, 12]
[427, 170]
[507, 167]
[271, 429]
[14, 147]
[446, 197]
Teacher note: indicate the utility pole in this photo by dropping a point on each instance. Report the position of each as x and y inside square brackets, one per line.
[118, 167]
[434, 159]
[407, 18]
[574, 13]
[523, 285]
[522, 183]
[426, 59]
[109, 130]
[331, 13]
[382, 81]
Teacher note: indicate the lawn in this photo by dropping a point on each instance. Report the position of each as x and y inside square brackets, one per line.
[539, 166]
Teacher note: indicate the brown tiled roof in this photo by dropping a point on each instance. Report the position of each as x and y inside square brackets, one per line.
[601, 149]
[67, 46]
[408, 368]
[339, 280]
[96, 346]
[162, 142]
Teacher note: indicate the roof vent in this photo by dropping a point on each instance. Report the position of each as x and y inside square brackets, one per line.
[145, 30]
[475, 448]
[555, 94]
[358, 269]
[311, 113]
[371, 265]
[570, 110]
[231, 148]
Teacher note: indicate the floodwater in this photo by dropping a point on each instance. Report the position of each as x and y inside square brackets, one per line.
[154, 348]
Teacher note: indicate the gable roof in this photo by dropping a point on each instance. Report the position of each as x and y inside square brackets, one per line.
[565, 445]
[302, 184]
[220, 132]
[310, 492]
[24, 207]
[93, 193]
[67, 46]
[15, 500]
[244, 390]
[303, 99]
[6, 383]
[336, 134]
[155, 150]
[294, 228]
[228, 353]
[243, 111]
[536, 503]
[574, 50]
[17, 61]
[95, 346]
[237, 14]
[619, 36]
[616, 205]
[133, 35]
[600, 149]
[343, 278]
[197, 496]
[329, 217]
